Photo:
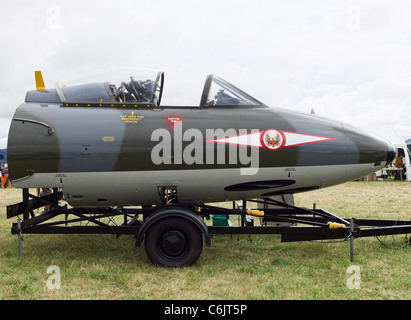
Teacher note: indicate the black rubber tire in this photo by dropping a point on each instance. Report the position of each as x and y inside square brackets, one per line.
[173, 242]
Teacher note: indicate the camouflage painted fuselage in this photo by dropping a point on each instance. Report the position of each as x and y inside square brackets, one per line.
[108, 156]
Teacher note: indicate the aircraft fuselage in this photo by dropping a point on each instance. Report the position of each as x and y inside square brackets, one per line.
[122, 156]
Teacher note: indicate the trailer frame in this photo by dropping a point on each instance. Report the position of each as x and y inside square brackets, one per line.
[303, 224]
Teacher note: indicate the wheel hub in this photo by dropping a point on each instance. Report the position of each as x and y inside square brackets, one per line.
[173, 243]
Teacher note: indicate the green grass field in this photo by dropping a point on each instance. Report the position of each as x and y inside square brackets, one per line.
[105, 267]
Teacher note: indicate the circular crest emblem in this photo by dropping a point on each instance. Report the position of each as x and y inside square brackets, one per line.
[272, 139]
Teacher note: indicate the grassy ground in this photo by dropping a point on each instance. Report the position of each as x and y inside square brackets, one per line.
[106, 267]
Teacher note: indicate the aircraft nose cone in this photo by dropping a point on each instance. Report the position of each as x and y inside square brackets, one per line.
[390, 153]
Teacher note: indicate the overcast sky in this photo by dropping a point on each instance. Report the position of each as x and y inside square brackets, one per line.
[348, 60]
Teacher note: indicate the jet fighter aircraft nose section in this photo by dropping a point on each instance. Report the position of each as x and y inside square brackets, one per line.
[110, 126]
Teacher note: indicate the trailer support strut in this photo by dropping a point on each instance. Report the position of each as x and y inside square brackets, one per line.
[351, 240]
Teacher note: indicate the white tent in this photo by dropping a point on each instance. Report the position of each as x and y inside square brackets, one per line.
[391, 135]
[3, 143]
[3, 149]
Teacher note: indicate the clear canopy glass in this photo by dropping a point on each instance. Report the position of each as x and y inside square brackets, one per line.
[218, 92]
[125, 85]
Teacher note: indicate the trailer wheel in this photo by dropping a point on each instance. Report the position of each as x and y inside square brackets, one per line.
[173, 242]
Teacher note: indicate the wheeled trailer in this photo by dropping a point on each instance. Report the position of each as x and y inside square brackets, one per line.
[174, 233]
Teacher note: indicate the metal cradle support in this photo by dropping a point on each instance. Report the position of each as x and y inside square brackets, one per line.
[20, 239]
[351, 240]
[299, 224]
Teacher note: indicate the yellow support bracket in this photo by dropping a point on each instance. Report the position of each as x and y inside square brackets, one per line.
[256, 213]
[335, 225]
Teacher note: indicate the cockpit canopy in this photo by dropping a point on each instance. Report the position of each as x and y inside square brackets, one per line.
[134, 86]
[218, 92]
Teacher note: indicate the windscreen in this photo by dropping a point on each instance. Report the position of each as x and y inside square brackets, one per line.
[223, 93]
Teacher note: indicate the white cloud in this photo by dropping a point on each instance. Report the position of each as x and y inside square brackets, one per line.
[348, 60]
